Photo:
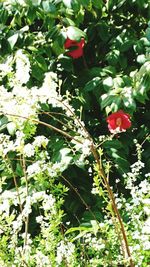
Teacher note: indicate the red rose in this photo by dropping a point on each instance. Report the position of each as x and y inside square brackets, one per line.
[77, 47]
[118, 122]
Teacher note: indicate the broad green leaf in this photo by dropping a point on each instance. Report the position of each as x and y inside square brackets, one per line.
[113, 57]
[148, 34]
[48, 7]
[141, 59]
[13, 39]
[41, 62]
[111, 100]
[108, 83]
[67, 3]
[3, 123]
[37, 72]
[97, 3]
[112, 144]
[80, 228]
[66, 63]
[11, 127]
[74, 33]
[90, 86]
[103, 31]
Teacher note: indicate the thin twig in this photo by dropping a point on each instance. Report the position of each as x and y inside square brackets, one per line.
[27, 194]
[16, 186]
[45, 124]
[77, 192]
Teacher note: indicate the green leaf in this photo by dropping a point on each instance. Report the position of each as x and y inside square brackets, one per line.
[90, 86]
[11, 128]
[37, 72]
[97, 3]
[12, 40]
[3, 123]
[148, 34]
[111, 100]
[19, 170]
[57, 48]
[113, 57]
[103, 31]
[141, 59]
[41, 62]
[66, 63]
[80, 228]
[67, 3]
[112, 144]
[48, 7]
[74, 33]
[108, 83]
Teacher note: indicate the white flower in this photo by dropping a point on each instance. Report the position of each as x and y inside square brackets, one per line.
[40, 141]
[17, 224]
[4, 207]
[27, 207]
[65, 250]
[28, 150]
[144, 186]
[146, 227]
[86, 147]
[39, 219]
[22, 67]
[38, 196]
[34, 168]
[42, 260]
[48, 90]
[48, 202]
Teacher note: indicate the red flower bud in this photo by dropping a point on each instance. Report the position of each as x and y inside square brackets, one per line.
[77, 47]
[118, 122]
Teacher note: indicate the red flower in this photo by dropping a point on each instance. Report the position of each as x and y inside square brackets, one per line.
[77, 47]
[118, 122]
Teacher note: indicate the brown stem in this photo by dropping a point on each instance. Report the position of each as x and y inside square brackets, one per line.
[111, 196]
[27, 193]
[16, 186]
[45, 124]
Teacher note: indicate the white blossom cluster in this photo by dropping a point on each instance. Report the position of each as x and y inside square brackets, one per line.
[139, 209]
[12, 223]
[22, 73]
[132, 176]
[65, 250]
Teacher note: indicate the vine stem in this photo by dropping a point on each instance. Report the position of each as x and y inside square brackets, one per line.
[27, 194]
[16, 186]
[114, 205]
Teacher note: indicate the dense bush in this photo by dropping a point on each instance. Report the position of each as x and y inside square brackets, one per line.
[74, 133]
